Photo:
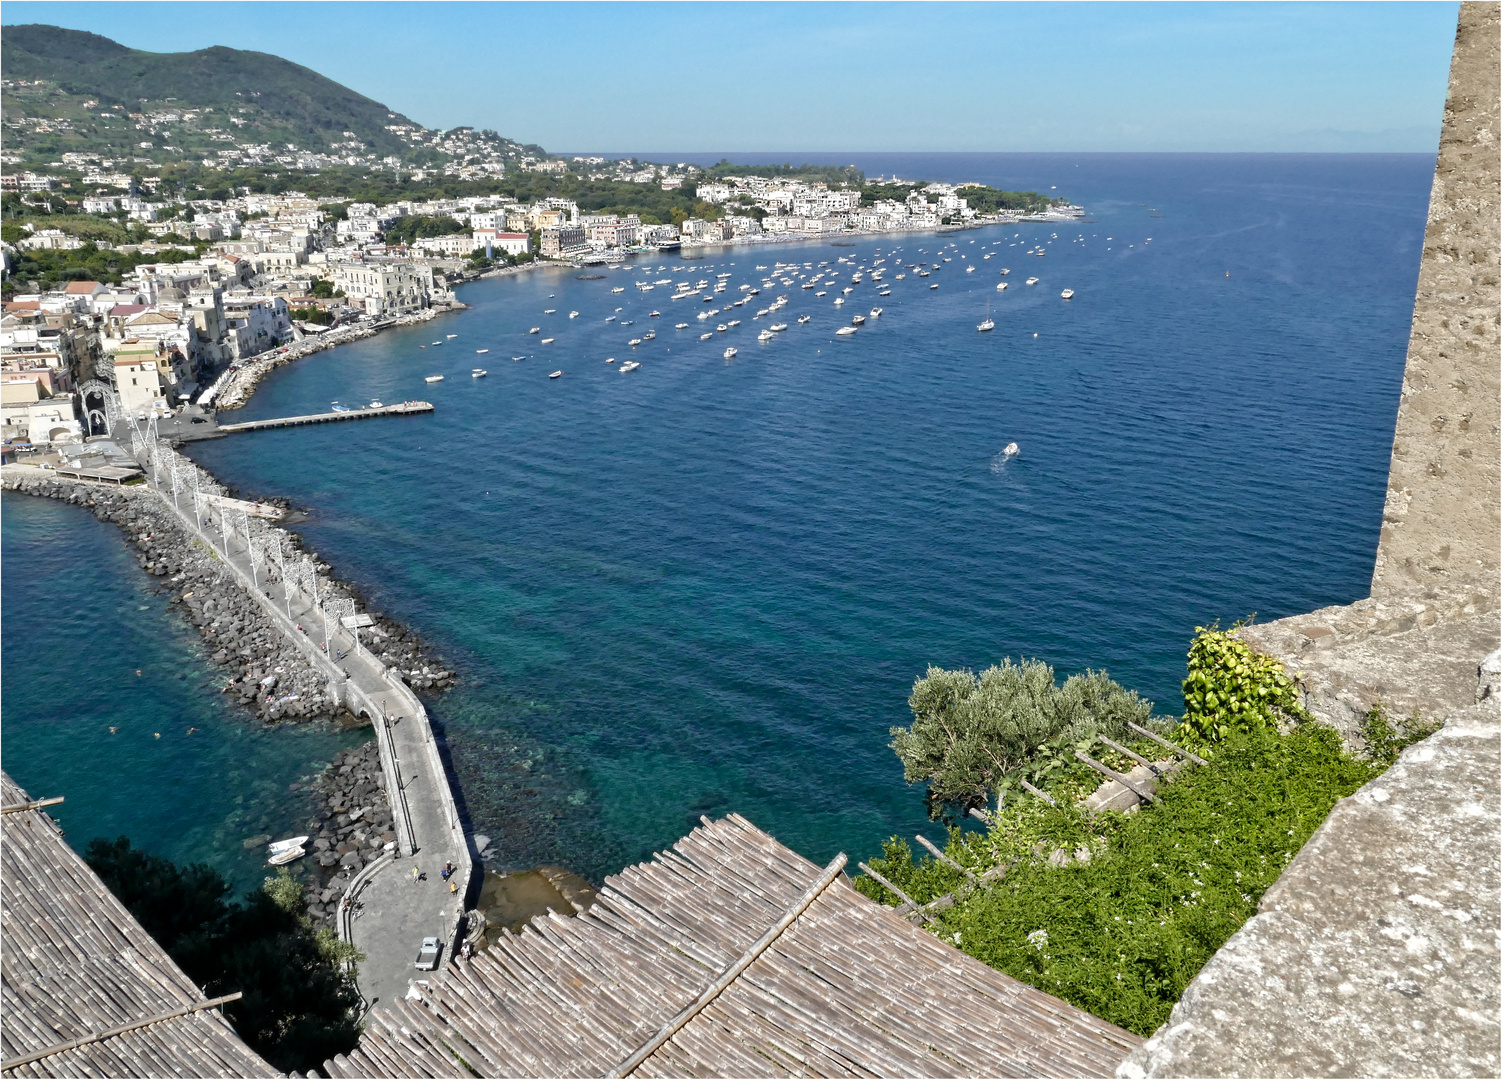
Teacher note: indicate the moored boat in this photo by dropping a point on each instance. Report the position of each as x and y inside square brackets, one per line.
[730, 353]
[433, 378]
[555, 374]
[845, 331]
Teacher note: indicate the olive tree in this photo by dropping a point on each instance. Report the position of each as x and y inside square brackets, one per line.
[969, 732]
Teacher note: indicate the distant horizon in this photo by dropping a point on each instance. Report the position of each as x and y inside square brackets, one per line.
[964, 78]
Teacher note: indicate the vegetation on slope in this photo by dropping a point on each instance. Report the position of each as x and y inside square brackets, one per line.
[300, 1007]
[1115, 912]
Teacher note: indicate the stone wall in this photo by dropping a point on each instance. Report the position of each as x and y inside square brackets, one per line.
[1376, 953]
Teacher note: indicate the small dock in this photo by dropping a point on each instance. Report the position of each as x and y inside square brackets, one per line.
[406, 408]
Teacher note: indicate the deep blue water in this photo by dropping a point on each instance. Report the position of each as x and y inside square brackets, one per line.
[81, 621]
[708, 585]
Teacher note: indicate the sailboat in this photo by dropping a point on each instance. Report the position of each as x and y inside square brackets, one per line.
[988, 323]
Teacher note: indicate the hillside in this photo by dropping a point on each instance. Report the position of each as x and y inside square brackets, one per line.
[68, 91]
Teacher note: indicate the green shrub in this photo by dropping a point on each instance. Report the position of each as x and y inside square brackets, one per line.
[1385, 739]
[970, 733]
[1230, 688]
[1121, 935]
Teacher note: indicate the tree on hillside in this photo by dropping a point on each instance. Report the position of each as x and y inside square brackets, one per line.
[299, 1008]
[970, 732]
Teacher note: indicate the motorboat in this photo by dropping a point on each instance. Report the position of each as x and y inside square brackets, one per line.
[629, 365]
[803, 319]
[857, 320]
[534, 330]
[481, 352]
[556, 375]
[547, 341]
[845, 331]
[478, 373]
[838, 300]
[722, 328]
[654, 314]
[618, 289]
[545, 311]
[346, 408]
[765, 335]
[730, 353]
[282, 858]
[433, 378]
[1005, 271]
[649, 335]
[681, 326]
[1031, 281]
[1067, 294]
[609, 359]
[778, 327]
[706, 337]
[733, 322]
[518, 358]
[876, 313]
[634, 342]
[376, 405]
[885, 292]
[451, 336]
[286, 845]
[1012, 449]
[935, 285]
[1001, 286]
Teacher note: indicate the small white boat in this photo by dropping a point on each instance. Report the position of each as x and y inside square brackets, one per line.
[803, 319]
[433, 378]
[1012, 450]
[778, 327]
[1005, 271]
[733, 322]
[573, 314]
[845, 331]
[376, 405]
[286, 845]
[437, 343]
[838, 300]
[478, 373]
[618, 289]
[535, 330]
[1031, 281]
[681, 326]
[1067, 294]
[481, 352]
[282, 858]
[634, 342]
[885, 292]
[721, 328]
[518, 358]
[654, 314]
[547, 341]
[857, 320]
[730, 353]
[451, 336]
[706, 337]
[968, 269]
[629, 365]
[987, 324]
[821, 292]
[555, 375]
[765, 335]
[934, 286]
[876, 313]
[1001, 286]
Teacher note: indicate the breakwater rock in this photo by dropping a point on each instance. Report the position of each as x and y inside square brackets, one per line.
[352, 828]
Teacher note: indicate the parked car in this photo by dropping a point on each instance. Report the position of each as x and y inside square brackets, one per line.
[427, 956]
[198, 420]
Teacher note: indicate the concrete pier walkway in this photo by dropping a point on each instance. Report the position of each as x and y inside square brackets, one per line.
[388, 911]
[406, 408]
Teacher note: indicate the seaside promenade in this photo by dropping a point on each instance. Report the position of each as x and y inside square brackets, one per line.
[388, 909]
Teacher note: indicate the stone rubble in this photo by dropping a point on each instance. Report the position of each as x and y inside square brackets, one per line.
[352, 828]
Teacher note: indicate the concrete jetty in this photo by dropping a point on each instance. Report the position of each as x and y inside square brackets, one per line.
[406, 408]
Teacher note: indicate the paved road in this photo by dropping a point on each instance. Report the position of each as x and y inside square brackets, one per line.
[392, 913]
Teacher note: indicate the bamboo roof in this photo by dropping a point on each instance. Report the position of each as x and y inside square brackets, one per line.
[84, 990]
[729, 955]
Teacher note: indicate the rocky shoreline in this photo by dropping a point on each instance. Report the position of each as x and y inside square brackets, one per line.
[351, 829]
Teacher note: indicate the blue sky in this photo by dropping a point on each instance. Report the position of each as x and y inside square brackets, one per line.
[809, 77]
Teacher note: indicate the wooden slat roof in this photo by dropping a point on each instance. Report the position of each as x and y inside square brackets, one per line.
[848, 989]
[74, 963]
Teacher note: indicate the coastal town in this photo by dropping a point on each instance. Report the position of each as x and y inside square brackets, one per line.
[217, 284]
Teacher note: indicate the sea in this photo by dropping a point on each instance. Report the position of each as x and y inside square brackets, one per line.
[708, 584]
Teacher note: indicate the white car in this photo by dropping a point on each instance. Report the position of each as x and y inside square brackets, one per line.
[427, 956]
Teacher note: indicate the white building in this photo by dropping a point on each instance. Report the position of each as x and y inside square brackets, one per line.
[512, 243]
[385, 288]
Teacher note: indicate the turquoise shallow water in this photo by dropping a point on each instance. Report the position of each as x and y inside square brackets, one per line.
[80, 621]
[708, 585]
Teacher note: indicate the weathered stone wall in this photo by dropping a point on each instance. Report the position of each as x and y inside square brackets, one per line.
[1376, 953]
[1440, 523]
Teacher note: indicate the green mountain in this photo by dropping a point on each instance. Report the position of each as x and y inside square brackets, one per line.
[72, 91]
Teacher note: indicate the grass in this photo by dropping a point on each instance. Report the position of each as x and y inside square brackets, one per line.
[1121, 935]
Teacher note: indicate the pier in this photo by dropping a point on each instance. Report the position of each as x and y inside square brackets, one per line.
[406, 408]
